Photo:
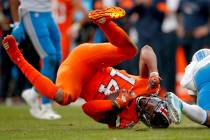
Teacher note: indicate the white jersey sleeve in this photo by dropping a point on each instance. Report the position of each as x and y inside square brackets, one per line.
[187, 80]
[200, 59]
[36, 5]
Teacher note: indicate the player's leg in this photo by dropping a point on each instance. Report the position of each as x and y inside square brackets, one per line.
[42, 42]
[105, 54]
[148, 67]
[55, 36]
[125, 49]
[43, 85]
[92, 57]
[70, 77]
[54, 55]
[40, 38]
[28, 95]
[19, 32]
[203, 88]
[68, 91]
[194, 112]
[40, 82]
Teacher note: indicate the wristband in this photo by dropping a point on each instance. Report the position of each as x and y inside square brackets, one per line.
[156, 74]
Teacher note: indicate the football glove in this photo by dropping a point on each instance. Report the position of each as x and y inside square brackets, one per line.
[123, 99]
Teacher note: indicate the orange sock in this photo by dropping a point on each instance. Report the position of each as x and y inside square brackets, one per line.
[116, 35]
[42, 84]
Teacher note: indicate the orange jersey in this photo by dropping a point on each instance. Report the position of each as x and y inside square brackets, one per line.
[102, 86]
[108, 80]
[64, 14]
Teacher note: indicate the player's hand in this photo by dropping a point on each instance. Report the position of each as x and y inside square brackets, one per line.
[154, 84]
[9, 43]
[123, 99]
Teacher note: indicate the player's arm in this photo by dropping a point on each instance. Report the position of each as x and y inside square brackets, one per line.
[148, 66]
[115, 101]
[101, 111]
[96, 109]
[148, 62]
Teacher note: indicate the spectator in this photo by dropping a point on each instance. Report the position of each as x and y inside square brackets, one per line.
[169, 28]
[6, 66]
[12, 81]
[149, 15]
[65, 11]
[194, 30]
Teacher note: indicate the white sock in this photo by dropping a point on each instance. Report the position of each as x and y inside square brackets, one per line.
[195, 113]
[47, 106]
[34, 104]
[34, 92]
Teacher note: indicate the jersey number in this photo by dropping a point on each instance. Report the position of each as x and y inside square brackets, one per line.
[113, 85]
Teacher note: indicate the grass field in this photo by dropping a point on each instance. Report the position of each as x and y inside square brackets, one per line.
[17, 124]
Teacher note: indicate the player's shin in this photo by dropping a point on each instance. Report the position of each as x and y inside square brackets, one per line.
[195, 113]
[117, 36]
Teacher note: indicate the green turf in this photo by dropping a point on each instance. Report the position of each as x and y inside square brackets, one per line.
[17, 124]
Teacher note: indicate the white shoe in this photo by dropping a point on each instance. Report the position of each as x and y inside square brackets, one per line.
[175, 107]
[48, 113]
[36, 113]
[31, 99]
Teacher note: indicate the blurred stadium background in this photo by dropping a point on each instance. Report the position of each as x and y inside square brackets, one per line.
[174, 28]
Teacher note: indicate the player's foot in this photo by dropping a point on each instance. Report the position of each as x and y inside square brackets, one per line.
[175, 107]
[10, 46]
[31, 99]
[104, 15]
[123, 99]
[48, 113]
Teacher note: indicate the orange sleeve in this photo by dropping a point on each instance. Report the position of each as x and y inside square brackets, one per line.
[141, 88]
[96, 108]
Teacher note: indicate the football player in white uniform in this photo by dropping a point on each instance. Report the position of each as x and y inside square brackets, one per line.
[35, 19]
[197, 80]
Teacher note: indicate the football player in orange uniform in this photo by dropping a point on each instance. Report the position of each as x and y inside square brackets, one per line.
[64, 15]
[87, 73]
